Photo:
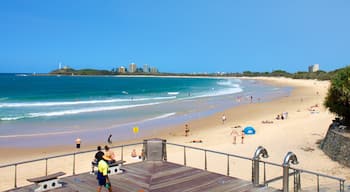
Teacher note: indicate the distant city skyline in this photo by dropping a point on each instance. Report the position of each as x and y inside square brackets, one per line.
[195, 36]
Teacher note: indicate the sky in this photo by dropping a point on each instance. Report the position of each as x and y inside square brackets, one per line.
[174, 35]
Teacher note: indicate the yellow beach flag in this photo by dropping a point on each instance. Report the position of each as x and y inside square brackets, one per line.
[135, 129]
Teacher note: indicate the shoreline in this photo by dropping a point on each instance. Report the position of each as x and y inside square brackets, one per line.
[299, 133]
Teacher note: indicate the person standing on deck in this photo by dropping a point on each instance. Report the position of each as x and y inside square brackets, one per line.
[102, 175]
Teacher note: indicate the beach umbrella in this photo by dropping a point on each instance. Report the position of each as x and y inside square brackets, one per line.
[249, 130]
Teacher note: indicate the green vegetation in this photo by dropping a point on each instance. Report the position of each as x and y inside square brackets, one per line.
[70, 71]
[338, 97]
[319, 75]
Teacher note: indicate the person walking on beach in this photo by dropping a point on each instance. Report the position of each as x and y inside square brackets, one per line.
[102, 175]
[109, 140]
[78, 143]
[234, 134]
[242, 137]
[187, 130]
[223, 118]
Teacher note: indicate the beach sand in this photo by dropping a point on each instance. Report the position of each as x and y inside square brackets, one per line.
[299, 133]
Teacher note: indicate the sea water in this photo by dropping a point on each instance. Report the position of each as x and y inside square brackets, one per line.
[49, 110]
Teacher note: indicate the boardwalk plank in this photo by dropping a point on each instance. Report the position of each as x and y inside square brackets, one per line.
[157, 176]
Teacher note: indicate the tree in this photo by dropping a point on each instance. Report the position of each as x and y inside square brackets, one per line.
[338, 97]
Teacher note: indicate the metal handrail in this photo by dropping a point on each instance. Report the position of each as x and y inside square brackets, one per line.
[57, 156]
[320, 174]
[295, 170]
[64, 155]
[217, 152]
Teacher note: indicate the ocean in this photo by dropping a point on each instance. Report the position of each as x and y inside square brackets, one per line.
[49, 110]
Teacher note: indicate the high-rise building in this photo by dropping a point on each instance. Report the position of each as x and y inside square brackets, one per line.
[146, 68]
[132, 68]
[121, 69]
[314, 68]
[154, 70]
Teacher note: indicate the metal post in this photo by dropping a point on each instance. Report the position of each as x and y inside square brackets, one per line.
[205, 159]
[122, 152]
[228, 165]
[185, 155]
[46, 166]
[256, 172]
[297, 184]
[318, 183]
[285, 178]
[15, 175]
[74, 164]
[164, 151]
[341, 185]
[264, 173]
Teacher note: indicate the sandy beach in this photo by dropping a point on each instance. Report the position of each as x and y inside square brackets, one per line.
[299, 133]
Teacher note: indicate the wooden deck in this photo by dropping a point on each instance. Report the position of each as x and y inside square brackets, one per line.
[157, 176]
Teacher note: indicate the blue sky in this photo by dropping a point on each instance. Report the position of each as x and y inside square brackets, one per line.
[174, 35]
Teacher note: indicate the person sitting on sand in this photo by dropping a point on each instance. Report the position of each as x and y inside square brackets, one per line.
[266, 121]
[187, 130]
[278, 117]
[110, 154]
[133, 153]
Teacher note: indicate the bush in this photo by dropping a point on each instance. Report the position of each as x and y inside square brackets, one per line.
[338, 97]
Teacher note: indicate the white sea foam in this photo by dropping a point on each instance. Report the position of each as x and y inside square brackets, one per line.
[173, 93]
[232, 86]
[161, 116]
[74, 131]
[37, 134]
[229, 82]
[67, 103]
[214, 92]
[75, 111]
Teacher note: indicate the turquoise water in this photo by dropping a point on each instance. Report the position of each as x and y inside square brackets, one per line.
[64, 107]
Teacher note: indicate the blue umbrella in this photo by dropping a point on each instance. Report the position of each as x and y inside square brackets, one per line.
[249, 130]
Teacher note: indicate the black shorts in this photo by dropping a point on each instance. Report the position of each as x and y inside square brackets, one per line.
[101, 179]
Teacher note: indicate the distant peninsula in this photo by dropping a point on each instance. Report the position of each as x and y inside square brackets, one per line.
[320, 75]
